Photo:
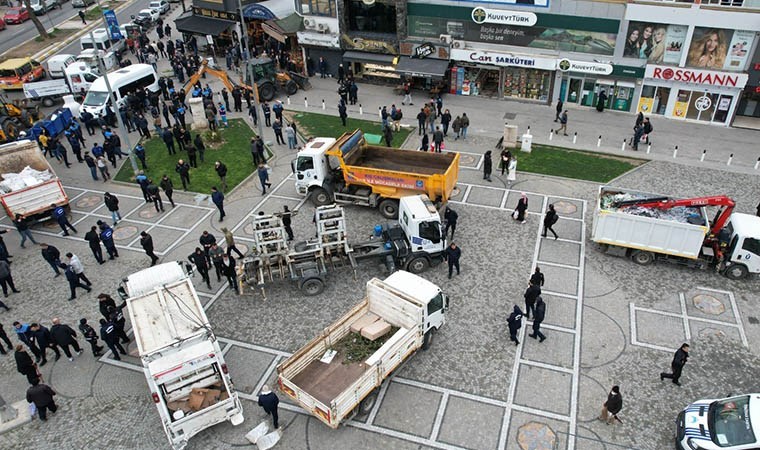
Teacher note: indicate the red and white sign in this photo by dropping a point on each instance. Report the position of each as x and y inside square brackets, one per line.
[696, 76]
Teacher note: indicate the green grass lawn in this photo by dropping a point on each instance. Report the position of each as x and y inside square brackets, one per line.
[322, 125]
[563, 162]
[233, 151]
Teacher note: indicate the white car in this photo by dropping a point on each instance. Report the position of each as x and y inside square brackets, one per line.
[720, 424]
[146, 17]
[162, 6]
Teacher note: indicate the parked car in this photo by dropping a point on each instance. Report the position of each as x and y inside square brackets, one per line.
[16, 15]
[146, 17]
[720, 424]
[82, 3]
[162, 6]
[40, 7]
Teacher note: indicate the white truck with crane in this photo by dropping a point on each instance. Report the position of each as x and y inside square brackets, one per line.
[414, 243]
[334, 384]
[650, 227]
[182, 360]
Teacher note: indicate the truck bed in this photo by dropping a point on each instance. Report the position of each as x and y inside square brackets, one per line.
[396, 160]
[326, 381]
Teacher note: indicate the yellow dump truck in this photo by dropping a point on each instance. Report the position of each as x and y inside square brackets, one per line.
[347, 170]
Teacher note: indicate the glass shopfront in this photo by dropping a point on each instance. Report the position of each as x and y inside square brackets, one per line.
[585, 91]
[704, 105]
[525, 83]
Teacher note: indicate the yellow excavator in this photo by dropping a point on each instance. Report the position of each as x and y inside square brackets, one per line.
[16, 117]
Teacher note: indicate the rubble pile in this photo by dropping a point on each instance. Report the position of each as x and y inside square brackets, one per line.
[682, 214]
[27, 178]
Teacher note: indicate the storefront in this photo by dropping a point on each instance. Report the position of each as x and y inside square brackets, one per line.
[582, 83]
[748, 110]
[205, 22]
[372, 67]
[691, 94]
[425, 65]
[502, 75]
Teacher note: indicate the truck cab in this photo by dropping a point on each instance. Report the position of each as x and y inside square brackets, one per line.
[421, 223]
[312, 166]
[720, 424]
[80, 76]
[90, 57]
[742, 256]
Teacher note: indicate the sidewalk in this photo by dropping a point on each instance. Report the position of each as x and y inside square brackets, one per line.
[487, 118]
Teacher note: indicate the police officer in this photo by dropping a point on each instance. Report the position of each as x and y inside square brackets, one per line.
[108, 334]
[106, 236]
[116, 316]
[514, 322]
[59, 214]
[452, 255]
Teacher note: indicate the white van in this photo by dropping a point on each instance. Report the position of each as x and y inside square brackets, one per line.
[720, 424]
[90, 58]
[123, 81]
[56, 64]
[101, 41]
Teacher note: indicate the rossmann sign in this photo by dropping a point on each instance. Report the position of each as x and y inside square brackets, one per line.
[696, 76]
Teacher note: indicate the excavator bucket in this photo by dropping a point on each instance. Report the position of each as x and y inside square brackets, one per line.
[302, 81]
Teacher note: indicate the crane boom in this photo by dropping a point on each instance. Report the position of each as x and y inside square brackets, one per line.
[726, 203]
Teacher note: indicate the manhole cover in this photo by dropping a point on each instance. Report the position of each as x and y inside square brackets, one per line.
[536, 436]
[708, 304]
[510, 116]
[89, 201]
[707, 332]
[124, 232]
[148, 213]
[563, 207]
[466, 160]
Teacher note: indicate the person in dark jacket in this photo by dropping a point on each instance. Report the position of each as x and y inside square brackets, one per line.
[207, 240]
[445, 120]
[521, 208]
[228, 270]
[112, 204]
[514, 322]
[42, 397]
[155, 196]
[65, 337]
[6, 280]
[487, 166]
[108, 334]
[421, 119]
[679, 360]
[388, 135]
[104, 301]
[287, 219]
[92, 165]
[221, 171]
[23, 229]
[612, 406]
[425, 144]
[450, 218]
[59, 214]
[267, 114]
[538, 316]
[91, 336]
[263, 174]
[269, 401]
[146, 241]
[537, 277]
[168, 137]
[550, 218]
[183, 169]
[24, 364]
[93, 240]
[452, 255]
[106, 237]
[116, 316]
[168, 187]
[437, 139]
[73, 280]
[4, 338]
[52, 256]
[217, 197]
[44, 340]
[531, 294]
[198, 258]
[200, 146]
[24, 334]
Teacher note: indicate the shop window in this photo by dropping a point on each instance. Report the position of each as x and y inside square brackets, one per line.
[317, 7]
[374, 18]
[527, 83]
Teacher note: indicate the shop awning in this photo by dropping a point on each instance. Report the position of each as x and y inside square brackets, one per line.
[282, 28]
[425, 67]
[269, 10]
[372, 58]
[202, 25]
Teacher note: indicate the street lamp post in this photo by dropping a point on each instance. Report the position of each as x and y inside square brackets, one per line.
[122, 127]
[249, 68]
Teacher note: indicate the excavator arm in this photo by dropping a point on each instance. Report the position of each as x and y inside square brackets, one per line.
[726, 204]
[221, 74]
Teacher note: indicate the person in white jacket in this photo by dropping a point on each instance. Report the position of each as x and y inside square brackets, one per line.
[77, 267]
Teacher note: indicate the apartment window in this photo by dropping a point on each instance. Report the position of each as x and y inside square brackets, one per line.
[318, 7]
[374, 18]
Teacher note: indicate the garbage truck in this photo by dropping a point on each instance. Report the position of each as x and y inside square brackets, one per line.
[347, 170]
[29, 184]
[182, 361]
[336, 375]
[648, 227]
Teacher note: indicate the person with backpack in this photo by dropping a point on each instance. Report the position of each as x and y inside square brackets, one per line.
[91, 336]
[514, 322]
[550, 218]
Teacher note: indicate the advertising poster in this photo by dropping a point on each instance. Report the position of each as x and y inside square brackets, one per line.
[738, 50]
[718, 49]
[656, 42]
[682, 104]
[113, 25]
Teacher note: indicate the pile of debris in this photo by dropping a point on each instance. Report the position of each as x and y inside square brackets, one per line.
[357, 348]
[682, 214]
[199, 398]
[27, 178]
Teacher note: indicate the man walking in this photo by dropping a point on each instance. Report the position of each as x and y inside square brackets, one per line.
[90, 336]
[77, 267]
[4, 338]
[217, 198]
[286, 221]
[514, 322]
[106, 237]
[183, 169]
[93, 240]
[559, 109]
[269, 401]
[82, 16]
[201, 265]
[116, 316]
[538, 317]
[108, 335]
[64, 336]
[42, 396]
[168, 138]
[450, 217]
[263, 178]
[112, 204]
[6, 279]
[228, 270]
[563, 123]
[52, 256]
[207, 240]
[221, 171]
[452, 255]
[168, 187]
[73, 280]
[155, 196]
[438, 139]
[550, 218]
[612, 406]
[229, 239]
[44, 340]
[59, 214]
[679, 360]
[531, 294]
[23, 229]
[146, 241]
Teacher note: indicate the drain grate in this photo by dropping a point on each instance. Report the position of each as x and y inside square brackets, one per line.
[510, 116]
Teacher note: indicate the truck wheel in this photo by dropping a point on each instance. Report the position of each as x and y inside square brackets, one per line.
[389, 208]
[266, 91]
[320, 197]
[291, 87]
[366, 405]
[737, 271]
[418, 265]
[642, 258]
[313, 286]
[428, 339]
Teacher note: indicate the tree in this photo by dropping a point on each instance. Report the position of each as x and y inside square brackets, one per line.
[40, 28]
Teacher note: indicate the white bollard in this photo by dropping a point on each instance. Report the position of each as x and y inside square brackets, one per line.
[702, 158]
[599, 141]
[649, 148]
[323, 104]
[575, 137]
[675, 152]
[361, 110]
[757, 164]
[622, 147]
[288, 100]
[305, 102]
[730, 157]
[528, 132]
[380, 112]
[551, 134]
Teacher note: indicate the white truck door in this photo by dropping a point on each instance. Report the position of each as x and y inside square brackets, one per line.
[435, 314]
[747, 252]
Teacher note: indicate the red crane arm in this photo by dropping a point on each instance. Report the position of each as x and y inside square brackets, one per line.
[715, 200]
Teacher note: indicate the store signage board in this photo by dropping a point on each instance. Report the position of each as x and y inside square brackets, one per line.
[568, 65]
[503, 59]
[318, 39]
[501, 17]
[696, 76]
[519, 3]
[424, 50]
